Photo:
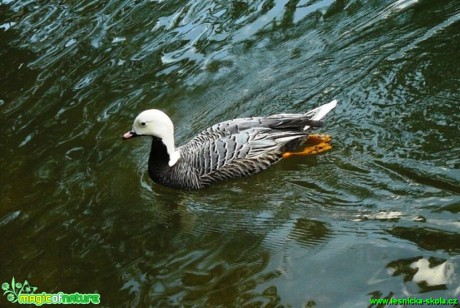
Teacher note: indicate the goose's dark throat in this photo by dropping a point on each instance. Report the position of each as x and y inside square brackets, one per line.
[159, 157]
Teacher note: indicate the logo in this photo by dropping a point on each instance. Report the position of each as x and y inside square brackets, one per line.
[24, 293]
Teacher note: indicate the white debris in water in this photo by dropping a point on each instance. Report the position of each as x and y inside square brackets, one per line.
[380, 216]
[433, 276]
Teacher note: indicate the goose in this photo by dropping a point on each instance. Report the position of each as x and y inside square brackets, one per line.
[235, 148]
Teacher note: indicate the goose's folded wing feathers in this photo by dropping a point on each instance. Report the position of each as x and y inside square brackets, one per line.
[236, 126]
[240, 154]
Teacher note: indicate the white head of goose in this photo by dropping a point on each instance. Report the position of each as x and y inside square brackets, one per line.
[157, 124]
[230, 149]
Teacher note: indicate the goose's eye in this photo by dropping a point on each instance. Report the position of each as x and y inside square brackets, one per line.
[143, 123]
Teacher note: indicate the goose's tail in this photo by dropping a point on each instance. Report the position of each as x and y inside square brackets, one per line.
[318, 113]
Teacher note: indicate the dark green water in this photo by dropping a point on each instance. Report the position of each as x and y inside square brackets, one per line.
[376, 217]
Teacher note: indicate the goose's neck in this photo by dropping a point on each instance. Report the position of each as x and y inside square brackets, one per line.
[163, 152]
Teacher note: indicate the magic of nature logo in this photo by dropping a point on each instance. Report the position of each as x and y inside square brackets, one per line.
[24, 293]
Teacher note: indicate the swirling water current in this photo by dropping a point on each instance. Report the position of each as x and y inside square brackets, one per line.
[376, 217]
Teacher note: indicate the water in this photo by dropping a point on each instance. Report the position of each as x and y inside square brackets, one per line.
[376, 217]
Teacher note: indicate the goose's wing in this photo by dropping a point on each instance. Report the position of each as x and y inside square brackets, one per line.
[242, 153]
[295, 122]
[223, 129]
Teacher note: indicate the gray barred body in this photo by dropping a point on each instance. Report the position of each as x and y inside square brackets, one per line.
[230, 149]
